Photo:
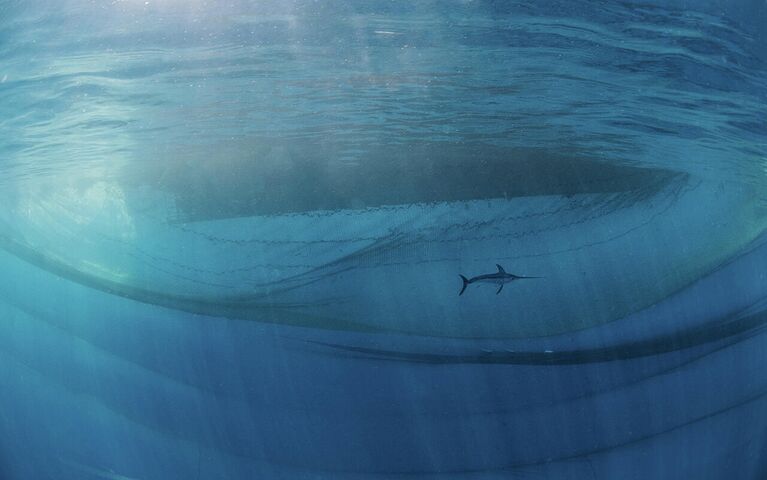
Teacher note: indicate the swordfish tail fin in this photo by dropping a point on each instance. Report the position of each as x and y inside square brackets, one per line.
[465, 284]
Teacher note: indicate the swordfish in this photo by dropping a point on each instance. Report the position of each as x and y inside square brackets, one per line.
[499, 278]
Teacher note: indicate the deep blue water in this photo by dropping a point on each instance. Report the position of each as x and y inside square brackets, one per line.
[232, 234]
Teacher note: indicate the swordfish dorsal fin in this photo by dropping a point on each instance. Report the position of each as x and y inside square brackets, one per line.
[500, 269]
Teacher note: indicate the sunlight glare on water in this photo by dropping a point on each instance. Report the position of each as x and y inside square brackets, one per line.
[195, 112]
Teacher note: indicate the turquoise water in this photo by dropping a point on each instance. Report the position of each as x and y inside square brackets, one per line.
[231, 235]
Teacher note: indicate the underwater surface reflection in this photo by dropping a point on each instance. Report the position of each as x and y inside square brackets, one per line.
[465, 239]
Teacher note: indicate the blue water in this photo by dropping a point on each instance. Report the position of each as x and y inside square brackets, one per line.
[231, 235]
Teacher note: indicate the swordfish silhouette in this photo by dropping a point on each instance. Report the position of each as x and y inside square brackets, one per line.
[500, 278]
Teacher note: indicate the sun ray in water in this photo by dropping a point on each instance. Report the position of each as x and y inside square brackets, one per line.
[267, 239]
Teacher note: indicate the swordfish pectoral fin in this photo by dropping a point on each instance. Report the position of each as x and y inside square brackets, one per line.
[499, 289]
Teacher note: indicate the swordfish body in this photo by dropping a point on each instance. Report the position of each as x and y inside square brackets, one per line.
[499, 278]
